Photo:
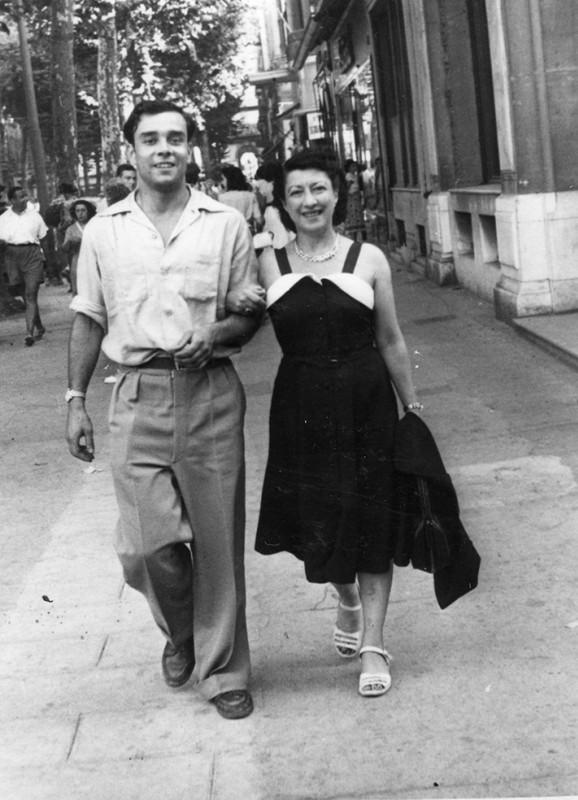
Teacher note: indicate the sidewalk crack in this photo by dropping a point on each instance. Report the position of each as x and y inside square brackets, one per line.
[212, 777]
[102, 649]
[74, 735]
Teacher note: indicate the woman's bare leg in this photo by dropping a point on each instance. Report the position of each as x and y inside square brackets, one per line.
[374, 591]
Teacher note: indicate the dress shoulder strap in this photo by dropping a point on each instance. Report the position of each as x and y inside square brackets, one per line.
[352, 256]
[283, 261]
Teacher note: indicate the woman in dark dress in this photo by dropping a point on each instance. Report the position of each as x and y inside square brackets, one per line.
[328, 489]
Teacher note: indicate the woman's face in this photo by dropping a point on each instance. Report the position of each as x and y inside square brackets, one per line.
[81, 213]
[310, 200]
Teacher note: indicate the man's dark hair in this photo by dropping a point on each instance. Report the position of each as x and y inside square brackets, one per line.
[67, 188]
[124, 168]
[12, 192]
[324, 161]
[150, 108]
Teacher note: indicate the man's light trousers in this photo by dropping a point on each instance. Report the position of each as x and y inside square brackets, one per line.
[179, 475]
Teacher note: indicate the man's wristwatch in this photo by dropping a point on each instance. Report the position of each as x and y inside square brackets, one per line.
[70, 393]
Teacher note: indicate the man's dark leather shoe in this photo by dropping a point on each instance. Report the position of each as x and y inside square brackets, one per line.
[234, 705]
[178, 663]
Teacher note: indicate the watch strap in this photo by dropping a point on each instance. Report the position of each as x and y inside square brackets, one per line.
[70, 393]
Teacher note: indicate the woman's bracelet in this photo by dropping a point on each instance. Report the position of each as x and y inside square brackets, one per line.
[413, 407]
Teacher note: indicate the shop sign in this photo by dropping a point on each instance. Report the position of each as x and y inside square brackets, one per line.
[315, 125]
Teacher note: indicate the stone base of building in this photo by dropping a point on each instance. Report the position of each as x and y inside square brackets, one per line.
[441, 271]
[513, 300]
[537, 245]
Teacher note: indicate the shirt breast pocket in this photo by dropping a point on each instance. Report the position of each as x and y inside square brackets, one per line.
[132, 281]
[202, 278]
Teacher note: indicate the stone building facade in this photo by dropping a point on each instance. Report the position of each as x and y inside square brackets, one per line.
[465, 109]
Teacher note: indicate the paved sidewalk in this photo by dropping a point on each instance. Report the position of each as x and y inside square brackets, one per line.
[555, 333]
[485, 697]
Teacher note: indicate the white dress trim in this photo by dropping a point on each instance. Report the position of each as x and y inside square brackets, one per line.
[355, 287]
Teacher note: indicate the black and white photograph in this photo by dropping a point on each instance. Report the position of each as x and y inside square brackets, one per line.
[288, 399]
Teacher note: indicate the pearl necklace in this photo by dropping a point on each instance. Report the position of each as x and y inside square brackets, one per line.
[316, 259]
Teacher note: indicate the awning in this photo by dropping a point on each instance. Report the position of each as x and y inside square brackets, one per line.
[320, 27]
[272, 76]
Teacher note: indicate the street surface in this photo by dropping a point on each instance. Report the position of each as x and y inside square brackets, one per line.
[485, 694]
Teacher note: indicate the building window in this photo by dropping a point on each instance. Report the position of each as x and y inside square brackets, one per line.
[401, 237]
[484, 87]
[421, 240]
[393, 84]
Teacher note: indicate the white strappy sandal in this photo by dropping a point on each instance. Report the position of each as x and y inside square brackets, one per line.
[347, 644]
[374, 684]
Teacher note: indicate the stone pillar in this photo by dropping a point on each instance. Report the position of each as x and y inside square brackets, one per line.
[440, 263]
[536, 82]
[538, 242]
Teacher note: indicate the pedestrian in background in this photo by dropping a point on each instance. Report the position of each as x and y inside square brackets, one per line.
[269, 185]
[115, 190]
[193, 174]
[237, 193]
[328, 492]
[57, 217]
[153, 273]
[22, 233]
[81, 211]
[127, 174]
[354, 220]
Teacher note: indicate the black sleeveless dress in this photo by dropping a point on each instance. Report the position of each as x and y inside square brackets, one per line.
[328, 487]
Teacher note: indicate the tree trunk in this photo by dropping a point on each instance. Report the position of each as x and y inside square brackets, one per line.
[64, 93]
[208, 162]
[24, 153]
[85, 174]
[36, 143]
[107, 92]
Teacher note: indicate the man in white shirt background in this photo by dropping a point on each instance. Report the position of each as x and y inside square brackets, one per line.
[22, 231]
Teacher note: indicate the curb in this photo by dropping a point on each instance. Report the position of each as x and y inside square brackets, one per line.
[560, 353]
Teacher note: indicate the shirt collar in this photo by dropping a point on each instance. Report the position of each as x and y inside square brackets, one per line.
[197, 201]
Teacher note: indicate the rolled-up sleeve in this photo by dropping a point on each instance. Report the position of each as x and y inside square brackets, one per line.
[243, 271]
[90, 298]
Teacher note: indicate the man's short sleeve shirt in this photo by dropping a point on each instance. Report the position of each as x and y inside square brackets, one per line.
[25, 228]
[149, 298]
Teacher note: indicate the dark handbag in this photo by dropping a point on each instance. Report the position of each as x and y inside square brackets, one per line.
[430, 549]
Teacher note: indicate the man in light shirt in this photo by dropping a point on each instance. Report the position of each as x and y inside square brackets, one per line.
[153, 274]
[22, 231]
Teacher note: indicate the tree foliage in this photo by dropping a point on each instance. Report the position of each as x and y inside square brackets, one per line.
[188, 51]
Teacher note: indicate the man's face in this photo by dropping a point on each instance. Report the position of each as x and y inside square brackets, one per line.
[20, 201]
[128, 177]
[161, 151]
